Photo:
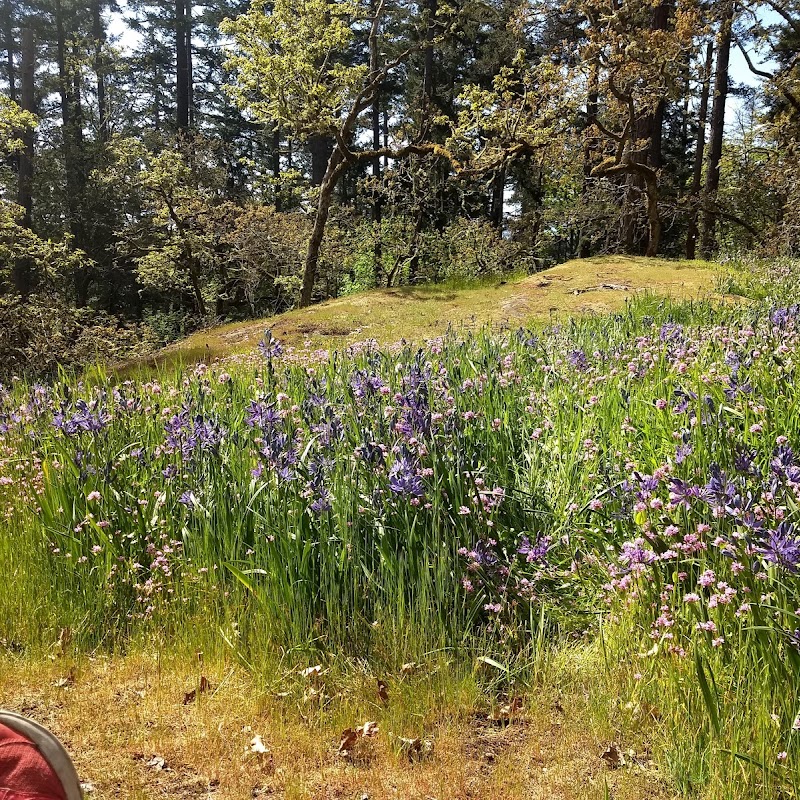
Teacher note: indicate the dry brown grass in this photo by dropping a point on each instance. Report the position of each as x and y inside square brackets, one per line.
[117, 715]
[595, 285]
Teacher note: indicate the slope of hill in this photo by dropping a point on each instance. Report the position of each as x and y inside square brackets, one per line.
[593, 285]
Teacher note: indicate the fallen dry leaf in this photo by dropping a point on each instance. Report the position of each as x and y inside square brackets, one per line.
[66, 680]
[313, 694]
[203, 687]
[613, 757]
[383, 691]
[506, 712]
[415, 749]
[409, 668]
[312, 672]
[369, 729]
[351, 736]
[158, 763]
[348, 741]
[257, 746]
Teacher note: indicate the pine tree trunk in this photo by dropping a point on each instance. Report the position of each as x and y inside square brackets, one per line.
[377, 201]
[697, 174]
[181, 66]
[99, 35]
[661, 22]
[276, 165]
[653, 217]
[646, 149]
[189, 25]
[21, 277]
[709, 242]
[28, 103]
[320, 148]
[428, 83]
[8, 35]
[72, 133]
[377, 198]
[497, 199]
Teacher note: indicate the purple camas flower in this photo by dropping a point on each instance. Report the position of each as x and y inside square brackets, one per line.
[671, 332]
[364, 384]
[269, 346]
[744, 462]
[783, 463]
[719, 486]
[577, 358]
[781, 317]
[322, 501]
[536, 551]
[330, 429]
[186, 435]
[404, 478]
[736, 387]
[189, 499]
[260, 415]
[682, 493]
[482, 555]
[371, 452]
[682, 452]
[636, 554]
[781, 547]
[83, 419]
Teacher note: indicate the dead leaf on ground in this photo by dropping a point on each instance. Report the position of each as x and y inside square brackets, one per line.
[261, 751]
[613, 757]
[415, 749]
[409, 668]
[348, 741]
[314, 695]
[203, 687]
[312, 672]
[506, 712]
[383, 691]
[369, 729]
[352, 736]
[66, 680]
[159, 764]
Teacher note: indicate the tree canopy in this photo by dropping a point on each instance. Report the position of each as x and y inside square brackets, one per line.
[234, 159]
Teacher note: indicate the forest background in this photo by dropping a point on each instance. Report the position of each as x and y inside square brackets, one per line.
[170, 165]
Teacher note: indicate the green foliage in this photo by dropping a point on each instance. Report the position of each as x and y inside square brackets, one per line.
[13, 120]
[263, 254]
[42, 333]
[468, 249]
[288, 61]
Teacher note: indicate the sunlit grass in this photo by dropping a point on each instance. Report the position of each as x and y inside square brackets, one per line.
[595, 286]
[592, 511]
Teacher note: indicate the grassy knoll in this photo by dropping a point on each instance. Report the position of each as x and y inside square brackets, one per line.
[546, 560]
[595, 285]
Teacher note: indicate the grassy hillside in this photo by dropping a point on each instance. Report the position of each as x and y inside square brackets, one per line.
[505, 563]
[595, 285]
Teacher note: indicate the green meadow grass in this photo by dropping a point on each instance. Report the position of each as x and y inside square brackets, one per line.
[497, 499]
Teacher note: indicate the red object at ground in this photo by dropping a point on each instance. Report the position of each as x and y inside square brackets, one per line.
[24, 772]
